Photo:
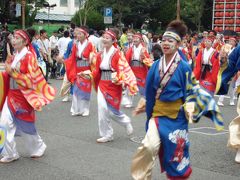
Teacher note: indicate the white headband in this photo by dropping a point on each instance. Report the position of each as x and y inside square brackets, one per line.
[173, 35]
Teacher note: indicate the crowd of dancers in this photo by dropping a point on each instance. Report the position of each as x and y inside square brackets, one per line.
[176, 75]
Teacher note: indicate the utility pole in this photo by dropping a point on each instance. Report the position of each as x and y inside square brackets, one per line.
[178, 9]
[23, 13]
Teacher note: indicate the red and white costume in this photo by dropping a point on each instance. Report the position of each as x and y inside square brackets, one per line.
[24, 91]
[139, 61]
[79, 61]
[109, 89]
[206, 69]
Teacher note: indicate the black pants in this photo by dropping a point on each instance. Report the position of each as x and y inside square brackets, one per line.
[48, 67]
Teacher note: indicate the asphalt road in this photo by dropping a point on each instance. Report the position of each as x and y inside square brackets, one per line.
[73, 153]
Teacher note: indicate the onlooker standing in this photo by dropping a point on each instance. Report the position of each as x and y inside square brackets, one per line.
[3, 41]
[53, 44]
[100, 44]
[45, 50]
[156, 52]
[72, 27]
[53, 40]
[34, 35]
[62, 45]
[150, 38]
[93, 39]
[123, 38]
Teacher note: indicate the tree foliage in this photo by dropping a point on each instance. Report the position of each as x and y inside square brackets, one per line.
[192, 12]
[156, 13]
[94, 19]
[85, 7]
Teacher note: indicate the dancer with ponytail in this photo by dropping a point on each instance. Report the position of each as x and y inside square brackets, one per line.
[172, 98]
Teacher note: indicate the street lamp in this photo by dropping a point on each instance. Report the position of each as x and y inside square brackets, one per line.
[48, 6]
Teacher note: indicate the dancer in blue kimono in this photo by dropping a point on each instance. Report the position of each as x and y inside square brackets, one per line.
[170, 87]
[230, 65]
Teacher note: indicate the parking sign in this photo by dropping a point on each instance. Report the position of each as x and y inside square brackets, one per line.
[108, 12]
[108, 15]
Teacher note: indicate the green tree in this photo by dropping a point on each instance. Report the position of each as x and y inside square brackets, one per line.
[85, 7]
[94, 19]
[4, 10]
[193, 10]
[157, 12]
[164, 12]
[206, 18]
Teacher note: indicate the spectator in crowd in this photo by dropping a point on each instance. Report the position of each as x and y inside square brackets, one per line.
[72, 27]
[3, 42]
[100, 44]
[45, 50]
[53, 40]
[34, 34]
[93, 39]
[156, 52]
[62, 45]
[123, 38]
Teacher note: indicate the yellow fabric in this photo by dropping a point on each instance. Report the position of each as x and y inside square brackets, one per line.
[33, 85]
[123, 40]
[126, 75]
[66, 86]
[143, 160]
[146, 58]
[219, 78]
[238, 89]
[169, 109]
[1, 89]
[234, 133]
[234, 128]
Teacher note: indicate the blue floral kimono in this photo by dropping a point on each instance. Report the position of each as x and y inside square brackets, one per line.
[173, 131]
[227, 71]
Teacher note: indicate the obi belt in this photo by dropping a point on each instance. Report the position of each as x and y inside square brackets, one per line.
[82, 62]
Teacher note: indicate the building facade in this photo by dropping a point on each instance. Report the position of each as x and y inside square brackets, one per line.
[63, 11]
[64, 7]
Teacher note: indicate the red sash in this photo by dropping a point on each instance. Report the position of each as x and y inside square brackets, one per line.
[4, 87]
[111, 92]
[19, 106]
[141, 74]
[84, 84]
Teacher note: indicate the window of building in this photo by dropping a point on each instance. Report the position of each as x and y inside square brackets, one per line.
[76, 3]
[64, 3]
